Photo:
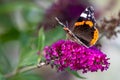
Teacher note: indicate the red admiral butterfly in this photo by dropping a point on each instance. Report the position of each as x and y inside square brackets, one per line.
[84, 30]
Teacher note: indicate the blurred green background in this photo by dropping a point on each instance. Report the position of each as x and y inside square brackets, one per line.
[19, 37]
[19, 41]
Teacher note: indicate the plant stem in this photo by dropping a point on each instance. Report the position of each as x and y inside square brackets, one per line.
[10, 74]
[27, 69]
[24, 69]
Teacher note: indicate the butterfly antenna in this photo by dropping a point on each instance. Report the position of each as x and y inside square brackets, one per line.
[59, 22]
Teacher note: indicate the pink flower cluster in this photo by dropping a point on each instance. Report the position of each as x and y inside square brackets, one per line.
[67, 54]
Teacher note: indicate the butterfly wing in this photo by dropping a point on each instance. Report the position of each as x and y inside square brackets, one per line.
[84, 28]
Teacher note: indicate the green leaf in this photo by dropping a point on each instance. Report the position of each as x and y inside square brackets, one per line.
[5, 65]
[54, 35]
[26, 76]
[2, 77]
[28, 51]
[7, 36]
[30, 58]
[5, 8]
[12, 6]
[41, 39]
[33, 15]
[75, 73]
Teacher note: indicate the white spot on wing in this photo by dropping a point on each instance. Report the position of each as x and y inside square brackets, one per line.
[83, 15]
[89, 15]
[86, 9]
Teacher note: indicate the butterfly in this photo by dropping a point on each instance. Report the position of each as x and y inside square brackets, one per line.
[84, 29]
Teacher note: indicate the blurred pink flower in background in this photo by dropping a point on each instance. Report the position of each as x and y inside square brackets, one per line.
[69, 10]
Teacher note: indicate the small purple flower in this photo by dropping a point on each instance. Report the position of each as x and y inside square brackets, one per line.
[67, 54]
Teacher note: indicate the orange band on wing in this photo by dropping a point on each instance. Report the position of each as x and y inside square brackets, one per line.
[95, 37]
[79, 23]
[90, 23]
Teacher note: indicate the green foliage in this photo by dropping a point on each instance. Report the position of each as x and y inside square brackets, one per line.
[28, 58]
[28, 17]
[18, 22]
[29, 52]
[13, 6]
[41, 39]
[75, 73]
[2, 77]
[26, 76]
[54, 35]
[7, 36]
[4, 62]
